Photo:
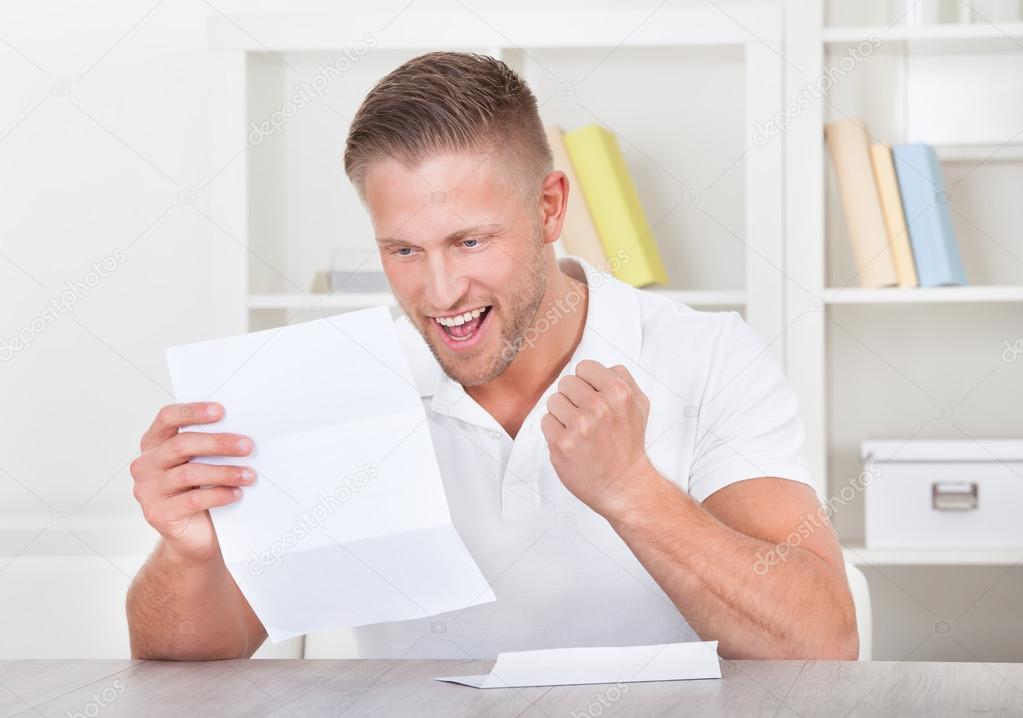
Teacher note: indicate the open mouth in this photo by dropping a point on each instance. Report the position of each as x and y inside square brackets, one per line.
[462, 329]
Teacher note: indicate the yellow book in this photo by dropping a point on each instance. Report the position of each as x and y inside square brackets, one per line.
[578, 234]
[894, 217]
[615, 207]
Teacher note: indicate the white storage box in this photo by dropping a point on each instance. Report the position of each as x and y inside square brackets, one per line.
[944, 494]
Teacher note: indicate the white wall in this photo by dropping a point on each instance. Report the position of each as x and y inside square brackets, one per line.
[103, 140]
[103, 156]
[102, 127]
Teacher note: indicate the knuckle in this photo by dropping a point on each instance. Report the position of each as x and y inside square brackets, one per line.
[194, 500]
[621, 392]
[187, 474]
[176, 445]
[165, 414]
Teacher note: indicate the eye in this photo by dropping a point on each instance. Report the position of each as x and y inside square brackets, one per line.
[403, 251]
[470, 243]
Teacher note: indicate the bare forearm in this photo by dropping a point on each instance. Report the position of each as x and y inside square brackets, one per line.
[189, 611]
[798, 608]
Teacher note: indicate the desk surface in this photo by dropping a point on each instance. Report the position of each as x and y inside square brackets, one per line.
[371, 688]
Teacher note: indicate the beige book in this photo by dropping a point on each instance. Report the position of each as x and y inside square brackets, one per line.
[894, 216]
[847, 142]
[578, 234]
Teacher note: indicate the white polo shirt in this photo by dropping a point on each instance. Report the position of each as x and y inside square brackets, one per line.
[720, 411]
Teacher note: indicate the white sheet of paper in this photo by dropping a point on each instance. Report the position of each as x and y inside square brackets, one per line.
[604, 664]
[347, 522]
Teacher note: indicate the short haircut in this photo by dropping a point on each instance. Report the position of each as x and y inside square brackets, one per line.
[451, 102]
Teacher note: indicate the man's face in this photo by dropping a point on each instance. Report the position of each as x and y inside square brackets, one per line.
[464, 257]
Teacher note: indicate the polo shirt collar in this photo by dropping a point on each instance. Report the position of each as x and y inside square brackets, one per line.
[611, 335]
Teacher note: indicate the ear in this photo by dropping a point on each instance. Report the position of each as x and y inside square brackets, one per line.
[553, 205]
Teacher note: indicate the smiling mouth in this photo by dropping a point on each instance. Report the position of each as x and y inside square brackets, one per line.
[465, 326]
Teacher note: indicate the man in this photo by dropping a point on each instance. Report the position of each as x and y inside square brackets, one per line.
[623, 471]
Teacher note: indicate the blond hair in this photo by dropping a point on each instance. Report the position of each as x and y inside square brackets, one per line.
[451, 102]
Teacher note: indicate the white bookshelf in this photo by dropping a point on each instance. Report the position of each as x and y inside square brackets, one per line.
[945, 37]
[924, 295]
[765, 236]
[862, 556]
[870, 363]
[715, 74]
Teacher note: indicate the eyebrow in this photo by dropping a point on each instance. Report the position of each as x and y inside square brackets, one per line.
[453, 237]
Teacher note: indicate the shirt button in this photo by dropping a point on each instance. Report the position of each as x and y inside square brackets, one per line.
[494, 434]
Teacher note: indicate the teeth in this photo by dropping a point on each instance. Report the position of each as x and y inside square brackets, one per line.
[460, 319]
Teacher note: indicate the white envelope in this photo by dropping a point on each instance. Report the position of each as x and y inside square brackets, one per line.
[603, 664]
[347, 522]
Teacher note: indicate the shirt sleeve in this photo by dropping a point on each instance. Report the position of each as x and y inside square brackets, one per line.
[749, 424]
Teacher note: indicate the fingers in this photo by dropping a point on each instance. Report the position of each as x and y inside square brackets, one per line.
[174, 416]
[552, 428]
[195, 474]
[577, 390]
[562, 409]
[195, 501]
[189, 444]
[616, 384]
[595, 374]
[625, 376]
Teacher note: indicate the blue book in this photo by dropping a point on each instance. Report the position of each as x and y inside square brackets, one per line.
[925, 203]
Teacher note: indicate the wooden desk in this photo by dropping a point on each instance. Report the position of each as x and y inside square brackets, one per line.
[403, 688]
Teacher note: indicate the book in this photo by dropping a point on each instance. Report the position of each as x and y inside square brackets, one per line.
[578, 233]
[925, 202]
[632, 254]
[894, 219]
[847, 143]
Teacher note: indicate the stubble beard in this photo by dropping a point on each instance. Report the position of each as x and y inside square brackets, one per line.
[517, 315]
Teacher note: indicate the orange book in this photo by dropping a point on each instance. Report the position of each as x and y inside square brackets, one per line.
[861, 205]
[578, 233]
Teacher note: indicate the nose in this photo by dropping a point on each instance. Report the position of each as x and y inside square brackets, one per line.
[446, 283]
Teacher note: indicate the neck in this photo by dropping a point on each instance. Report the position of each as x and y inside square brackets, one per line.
[562, 316]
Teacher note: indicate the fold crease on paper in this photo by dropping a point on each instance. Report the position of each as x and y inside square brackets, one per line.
[347, 523]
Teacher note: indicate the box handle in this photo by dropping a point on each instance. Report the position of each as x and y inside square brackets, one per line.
[954, 495]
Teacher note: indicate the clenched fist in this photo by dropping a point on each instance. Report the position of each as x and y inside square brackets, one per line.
[595, 429]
